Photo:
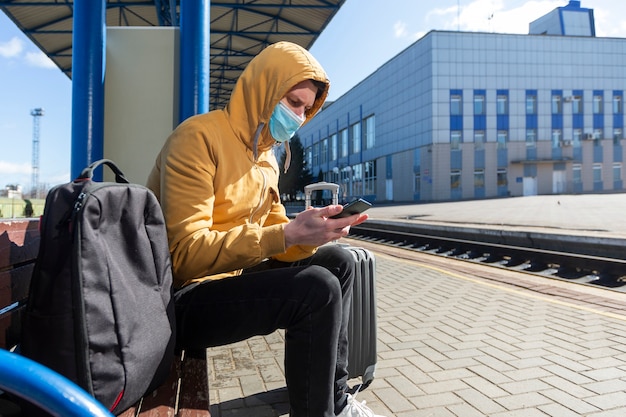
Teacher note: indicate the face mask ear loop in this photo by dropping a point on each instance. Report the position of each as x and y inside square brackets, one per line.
[287, 156]
[255, 143]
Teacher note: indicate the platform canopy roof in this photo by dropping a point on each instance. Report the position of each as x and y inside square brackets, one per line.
[240, 29]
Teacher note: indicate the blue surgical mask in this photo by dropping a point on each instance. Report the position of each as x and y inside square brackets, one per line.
[284, 122]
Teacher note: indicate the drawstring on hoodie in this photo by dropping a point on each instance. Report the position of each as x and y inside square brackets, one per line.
[287, 156]
[255, 142]
[255, 151]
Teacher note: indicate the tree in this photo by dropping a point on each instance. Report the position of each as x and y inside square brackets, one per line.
[298, 174]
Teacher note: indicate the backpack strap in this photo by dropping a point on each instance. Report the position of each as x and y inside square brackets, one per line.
[88, 172]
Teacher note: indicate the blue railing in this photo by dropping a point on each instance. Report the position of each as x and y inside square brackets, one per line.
[45, 388]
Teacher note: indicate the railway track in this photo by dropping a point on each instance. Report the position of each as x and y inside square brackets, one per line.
[598, 271]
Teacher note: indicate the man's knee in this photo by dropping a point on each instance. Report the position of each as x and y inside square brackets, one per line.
[323, 284]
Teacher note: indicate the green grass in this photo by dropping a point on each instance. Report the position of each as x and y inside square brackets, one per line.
[14, 208]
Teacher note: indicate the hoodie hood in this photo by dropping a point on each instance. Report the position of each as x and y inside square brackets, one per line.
[264, 82]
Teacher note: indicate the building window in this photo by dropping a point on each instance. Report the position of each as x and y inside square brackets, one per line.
[557, 136]
[598, 134]
[618, 135]
[502, 104]
[455, 179]
[356, 138]
[333, 147]
[456, 107]
[357, 179]
[557, 105]
[455, 139]
[324, 151]
[316, 154]
[617, 105]
[370, 178]
[531, 104]
[617, 172]
[531, 138]
[577, 137]
[597, 173]
[343, 135]
[597, 104]
[479, 178]
[479, 139]
[417, 183]
[502, 177]
[309, 156]
[370, 132]
[577, 177]
[577, 105]
[503, 138]
[479, 104]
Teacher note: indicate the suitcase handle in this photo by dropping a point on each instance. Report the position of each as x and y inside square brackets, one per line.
[88, 172]
[308, 190]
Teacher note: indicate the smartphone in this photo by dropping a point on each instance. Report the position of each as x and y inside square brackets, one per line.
[354, 207]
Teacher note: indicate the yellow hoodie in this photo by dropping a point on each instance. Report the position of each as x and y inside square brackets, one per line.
[217, 177]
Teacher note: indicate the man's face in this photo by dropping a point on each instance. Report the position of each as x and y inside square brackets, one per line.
[301, 97]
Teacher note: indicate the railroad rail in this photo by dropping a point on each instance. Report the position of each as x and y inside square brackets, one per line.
[582, 268]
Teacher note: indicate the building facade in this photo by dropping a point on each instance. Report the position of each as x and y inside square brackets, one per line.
[465, 115]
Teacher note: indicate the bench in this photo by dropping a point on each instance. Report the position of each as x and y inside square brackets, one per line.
[185, 393]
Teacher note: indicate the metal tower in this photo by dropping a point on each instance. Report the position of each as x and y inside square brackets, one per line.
[37, 114]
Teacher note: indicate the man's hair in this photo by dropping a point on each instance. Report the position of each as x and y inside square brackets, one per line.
[321, 87]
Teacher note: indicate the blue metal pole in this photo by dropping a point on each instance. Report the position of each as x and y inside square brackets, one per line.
[195, 46]
[49, 390]
[88, 49]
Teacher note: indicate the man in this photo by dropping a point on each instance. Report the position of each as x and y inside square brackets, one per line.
[241, 267]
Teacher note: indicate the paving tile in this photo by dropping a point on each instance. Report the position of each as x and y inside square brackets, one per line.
[522, 401]
[450, 347]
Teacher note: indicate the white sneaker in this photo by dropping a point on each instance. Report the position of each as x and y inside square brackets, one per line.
[356, 409]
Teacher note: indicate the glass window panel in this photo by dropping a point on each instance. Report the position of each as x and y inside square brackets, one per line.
[597, 104]
[502, 139]
[617, 172]
[597, 173]
[479, 139]
[617, 105]
[479, 104]
[531, 104]
[502, 178]
[502, 104]
[456, 108]
[455, 179]
[531, 138]
[577, 105]
[356, 138]
[479, 178]
[333, 147]
[557, 104]
[455, 139]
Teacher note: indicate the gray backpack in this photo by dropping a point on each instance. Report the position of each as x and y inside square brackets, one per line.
[100, 309]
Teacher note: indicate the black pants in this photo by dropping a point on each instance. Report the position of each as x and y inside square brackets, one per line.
[310, 299]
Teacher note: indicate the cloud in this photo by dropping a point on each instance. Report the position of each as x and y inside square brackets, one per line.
[492, 15]
[608, 25]
[57, 178]
[11, 168]
[15, 48]
[11, 48]
[39, 59]
[400, 31]
[14, 173]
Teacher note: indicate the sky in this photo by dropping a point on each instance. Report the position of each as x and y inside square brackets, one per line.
[362, 36]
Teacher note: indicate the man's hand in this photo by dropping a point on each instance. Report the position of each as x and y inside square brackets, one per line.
[315, 227]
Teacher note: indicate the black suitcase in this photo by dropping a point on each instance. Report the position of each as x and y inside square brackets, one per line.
[362, 325]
